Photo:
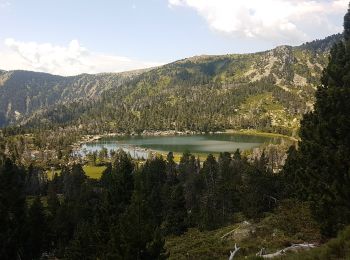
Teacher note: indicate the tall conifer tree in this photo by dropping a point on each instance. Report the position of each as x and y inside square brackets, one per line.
[324, 165]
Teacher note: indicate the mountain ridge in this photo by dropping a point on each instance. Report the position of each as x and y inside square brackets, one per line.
[269, 75]
[31, 91]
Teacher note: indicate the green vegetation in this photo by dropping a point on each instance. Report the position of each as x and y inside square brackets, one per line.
[258, 133]
[52, 173]
[319, 170]
[94, 172]
[195, 244]
[185, 208]
[136, 205]
[336, 248]
[290, 223]
[35, 91]
[205, 93]
[210, 245]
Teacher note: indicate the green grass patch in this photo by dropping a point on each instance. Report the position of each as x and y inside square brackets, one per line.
[51, 173]
[94, 172]
[259, 133]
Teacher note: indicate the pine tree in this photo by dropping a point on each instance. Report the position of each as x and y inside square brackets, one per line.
[53, 202]
[72, 182]
[152, 180]
[291, 177]
[226, 192]
[12, 209]
[36, 230]
[84, 244]
[324, 165]
[136, 229]
[176, 217]
[118, 182]
[155, 248]
[237, 155]
[259, 188]
[171, 169]
[209, 215]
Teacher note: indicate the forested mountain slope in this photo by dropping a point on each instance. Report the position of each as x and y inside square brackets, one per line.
[268, 91]
[24, 92]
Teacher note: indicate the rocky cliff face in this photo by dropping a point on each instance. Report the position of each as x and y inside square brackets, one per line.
[24, 92]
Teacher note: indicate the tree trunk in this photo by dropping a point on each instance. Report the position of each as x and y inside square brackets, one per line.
[232, 253]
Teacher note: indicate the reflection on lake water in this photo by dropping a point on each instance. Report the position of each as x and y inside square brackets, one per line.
[141, 146]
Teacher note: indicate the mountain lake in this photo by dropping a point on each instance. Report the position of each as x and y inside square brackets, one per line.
[142, 146]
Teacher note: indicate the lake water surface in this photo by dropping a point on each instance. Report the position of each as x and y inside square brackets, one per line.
[141, 146]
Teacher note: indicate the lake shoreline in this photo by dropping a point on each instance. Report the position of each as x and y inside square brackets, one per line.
[259, 133]
[249, 132]
[91, 138]
[149, 151]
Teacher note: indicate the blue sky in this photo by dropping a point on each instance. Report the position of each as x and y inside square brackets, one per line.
[72, 37]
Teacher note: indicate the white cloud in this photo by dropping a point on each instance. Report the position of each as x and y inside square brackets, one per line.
[289, 21]
[4, 4]
[63, 60]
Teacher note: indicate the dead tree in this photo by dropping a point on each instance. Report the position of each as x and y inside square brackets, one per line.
[232, 253]
[292, 248]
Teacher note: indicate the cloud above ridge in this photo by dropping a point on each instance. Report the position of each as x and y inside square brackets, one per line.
[71, 59]
[291, 21]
